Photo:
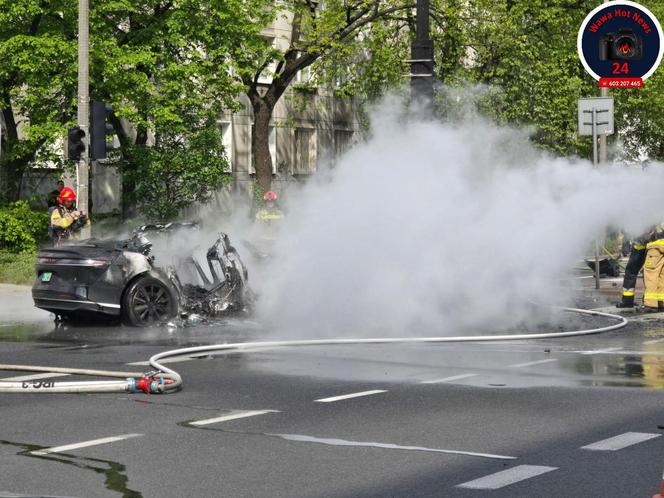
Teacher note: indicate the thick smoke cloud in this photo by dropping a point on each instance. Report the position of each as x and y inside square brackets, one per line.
[430, 228]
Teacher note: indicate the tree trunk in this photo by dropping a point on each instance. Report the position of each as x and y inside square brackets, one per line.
[260, 142]
[11, 170]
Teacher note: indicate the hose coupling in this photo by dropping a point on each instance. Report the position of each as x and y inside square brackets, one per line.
[148, 385]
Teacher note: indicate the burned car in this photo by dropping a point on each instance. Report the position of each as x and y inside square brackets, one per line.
[144, 279]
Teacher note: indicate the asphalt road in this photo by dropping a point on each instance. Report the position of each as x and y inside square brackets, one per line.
[574, 417]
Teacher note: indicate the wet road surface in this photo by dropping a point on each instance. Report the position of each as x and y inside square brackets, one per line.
[568, 417]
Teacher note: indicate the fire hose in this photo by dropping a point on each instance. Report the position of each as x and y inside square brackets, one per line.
[165, 380]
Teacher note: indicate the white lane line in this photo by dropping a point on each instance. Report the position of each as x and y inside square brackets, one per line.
[232, 416]
[84, 444]
[507, 477]
[600, 351]
[448, 379]
[653, 341]
[349, 396]
[21, 378]
[532, 363]
[389, 446]
[619, 442]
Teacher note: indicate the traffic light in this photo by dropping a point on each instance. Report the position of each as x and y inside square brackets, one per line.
[75, 144]
[99, 128]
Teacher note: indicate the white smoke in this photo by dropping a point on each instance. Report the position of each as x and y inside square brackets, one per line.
[436, 228]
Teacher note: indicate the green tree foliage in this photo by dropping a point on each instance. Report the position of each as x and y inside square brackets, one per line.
[524, 54]
[21, 228]
[177, 171]
[162, 65]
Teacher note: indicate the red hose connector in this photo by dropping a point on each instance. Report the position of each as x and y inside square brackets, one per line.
[149, 385]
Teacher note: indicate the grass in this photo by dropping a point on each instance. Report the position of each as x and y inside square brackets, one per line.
[17, 268]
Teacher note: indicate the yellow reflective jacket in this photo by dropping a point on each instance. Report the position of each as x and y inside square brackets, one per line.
[61, 218]
[269, 214]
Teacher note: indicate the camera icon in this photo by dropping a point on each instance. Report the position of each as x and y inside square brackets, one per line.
[624, 45]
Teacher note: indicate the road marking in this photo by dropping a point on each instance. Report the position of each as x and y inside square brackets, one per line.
[231, 416]
[653, 341]
[448, 379]
[600, 351]
[85, 444]
[349, 396]
[21, 378]
[532, 363]
[389, 446]
[620, 442]
[507, 477]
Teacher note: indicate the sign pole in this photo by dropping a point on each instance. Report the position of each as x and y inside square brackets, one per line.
[594, 122]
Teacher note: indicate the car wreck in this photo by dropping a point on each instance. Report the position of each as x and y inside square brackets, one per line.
[143, 279]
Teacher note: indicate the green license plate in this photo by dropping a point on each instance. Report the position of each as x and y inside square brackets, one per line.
[46, 276]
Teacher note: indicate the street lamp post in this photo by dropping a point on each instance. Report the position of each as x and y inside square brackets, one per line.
[421, 62]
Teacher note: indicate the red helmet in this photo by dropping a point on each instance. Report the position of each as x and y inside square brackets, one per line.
[269, 196]
[66, 194]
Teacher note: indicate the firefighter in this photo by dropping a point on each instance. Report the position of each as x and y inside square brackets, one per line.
[268, 218]
[270, 212]
[653, 270]
[65, 219]
[637, 257]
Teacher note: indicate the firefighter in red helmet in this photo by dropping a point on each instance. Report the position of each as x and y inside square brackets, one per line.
[268, 217]
[65, 219]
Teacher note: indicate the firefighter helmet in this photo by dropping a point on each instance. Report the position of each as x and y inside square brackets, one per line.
[269, 196]
[66, 194]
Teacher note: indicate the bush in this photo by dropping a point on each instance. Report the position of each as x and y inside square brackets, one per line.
[21, 228]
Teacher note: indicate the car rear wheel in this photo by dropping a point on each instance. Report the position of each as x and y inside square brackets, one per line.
[148, 301]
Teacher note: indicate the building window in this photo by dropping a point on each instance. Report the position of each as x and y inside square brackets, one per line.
[343, 140]
[305, 151]
[227, 142]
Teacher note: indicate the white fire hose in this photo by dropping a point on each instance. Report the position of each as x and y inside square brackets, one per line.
[165, 380]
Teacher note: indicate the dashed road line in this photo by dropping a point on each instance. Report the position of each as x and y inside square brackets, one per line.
[619, 442]
[449, 379]
[507, 477]
[84, 444]
[21, 378]
[349, 396]
[231, 416]
[533, 363]
[389, 446]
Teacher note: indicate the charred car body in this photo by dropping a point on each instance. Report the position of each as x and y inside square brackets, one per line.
[128, 279]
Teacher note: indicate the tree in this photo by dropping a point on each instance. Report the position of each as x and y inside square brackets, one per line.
[163, 65]
[37, 83]
[524, 54]
[177, 171]
[325, 34]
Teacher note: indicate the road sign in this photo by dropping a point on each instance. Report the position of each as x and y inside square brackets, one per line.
[620, 44]
[597, 112]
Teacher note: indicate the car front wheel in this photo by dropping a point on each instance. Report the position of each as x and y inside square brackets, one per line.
[148, 301]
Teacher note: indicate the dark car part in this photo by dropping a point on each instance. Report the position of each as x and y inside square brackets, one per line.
[119, 278]
[148, 300]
